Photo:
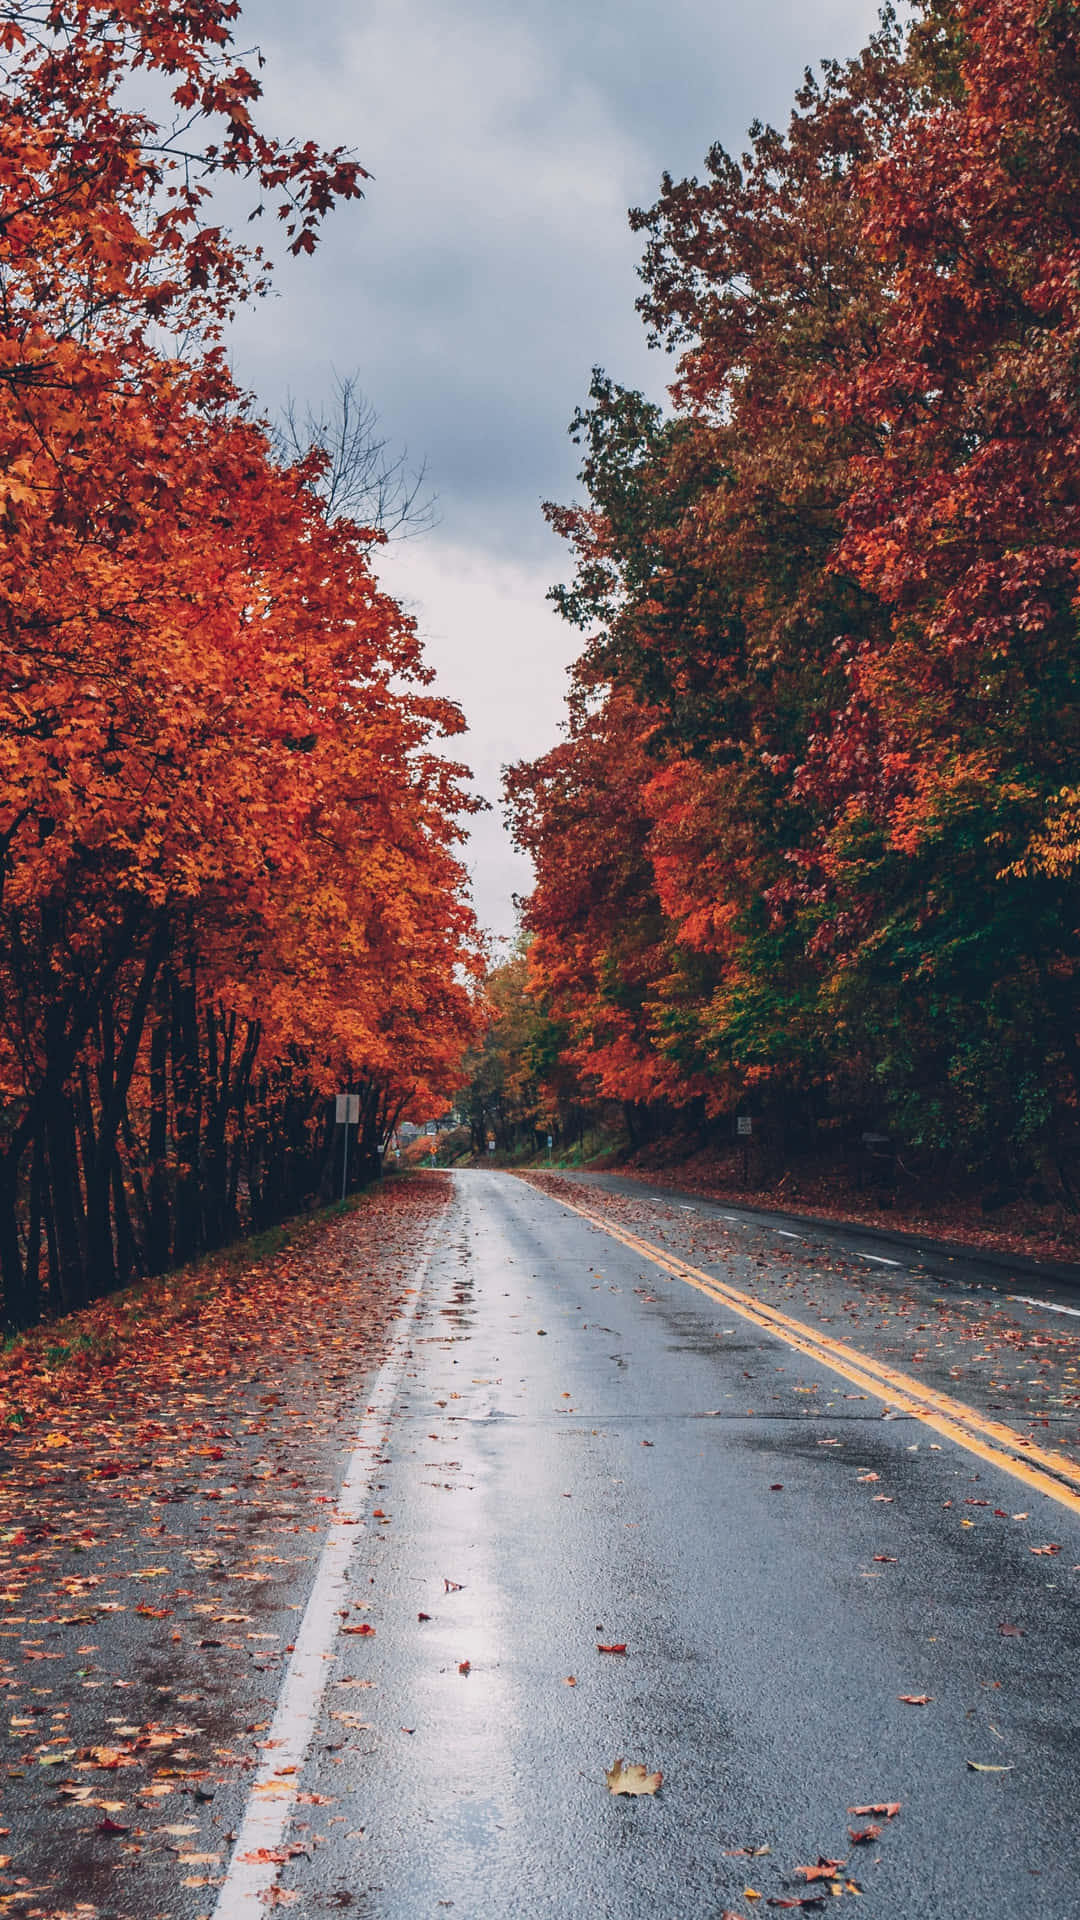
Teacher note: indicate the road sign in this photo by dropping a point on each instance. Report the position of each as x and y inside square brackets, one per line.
[347, 1114]
[491, 1143]
[743, 1125]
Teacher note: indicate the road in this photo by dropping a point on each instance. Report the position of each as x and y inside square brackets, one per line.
[570, 1446]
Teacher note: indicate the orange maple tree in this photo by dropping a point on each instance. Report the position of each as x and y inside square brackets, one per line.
[229, 879]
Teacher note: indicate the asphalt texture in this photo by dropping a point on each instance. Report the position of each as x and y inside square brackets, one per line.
[584, 1453]
[1004, 1342]
[978, 1267]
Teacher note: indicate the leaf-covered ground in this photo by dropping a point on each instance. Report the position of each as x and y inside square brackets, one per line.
[169, 1463]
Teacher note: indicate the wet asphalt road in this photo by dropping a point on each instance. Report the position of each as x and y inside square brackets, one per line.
[575, 1449]
[584, 1452]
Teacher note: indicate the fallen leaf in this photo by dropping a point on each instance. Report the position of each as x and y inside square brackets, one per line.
[862, 1836]
[110, 1826]
[631, 1779]
[464, 1666]
[271, 1856]
[915, 1699]
[824, 1870]
[888, 1808]
[978, 1766]
[1012, 1633]
[570, 1681]
[618, 1647]
[363, 1628]
[109, 1758]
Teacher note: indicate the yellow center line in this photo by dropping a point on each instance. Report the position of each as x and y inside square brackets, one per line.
[1042, 1468]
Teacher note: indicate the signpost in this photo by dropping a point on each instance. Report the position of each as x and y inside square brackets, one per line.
[550, 1145]
[744, 1127]
[346, 1113]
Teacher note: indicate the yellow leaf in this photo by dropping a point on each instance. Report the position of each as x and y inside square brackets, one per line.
[631, 1779]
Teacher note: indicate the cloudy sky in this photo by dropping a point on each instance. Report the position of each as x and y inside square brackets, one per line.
[488, 269]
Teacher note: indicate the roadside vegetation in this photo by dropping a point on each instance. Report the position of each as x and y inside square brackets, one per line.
[229, 884]
[808, 854]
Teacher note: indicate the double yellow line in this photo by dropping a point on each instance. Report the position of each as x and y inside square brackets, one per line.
[1039, 1467]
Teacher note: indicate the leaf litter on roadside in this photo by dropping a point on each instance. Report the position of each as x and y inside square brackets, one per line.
[233, 1383]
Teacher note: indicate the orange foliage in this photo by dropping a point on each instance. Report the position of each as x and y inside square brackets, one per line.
[229, 879]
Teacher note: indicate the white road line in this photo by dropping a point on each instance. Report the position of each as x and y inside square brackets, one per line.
[785, 1235]
[1050, 1305]
[878, 1258]
[249, 1879]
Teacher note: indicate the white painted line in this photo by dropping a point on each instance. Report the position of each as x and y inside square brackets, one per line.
[683, 1208]
[879, 1259]
[785, 1235]
[1050, 1305]
[249, 1879]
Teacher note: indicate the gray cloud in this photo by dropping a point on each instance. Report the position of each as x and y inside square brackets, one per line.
[491, 265]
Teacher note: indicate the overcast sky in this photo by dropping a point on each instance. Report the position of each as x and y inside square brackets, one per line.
[489, 267]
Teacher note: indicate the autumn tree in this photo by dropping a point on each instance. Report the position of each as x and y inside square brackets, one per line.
[833, 593]
[503, 1095]
[229, 881]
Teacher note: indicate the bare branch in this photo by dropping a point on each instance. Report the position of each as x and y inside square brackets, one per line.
[363, 480]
